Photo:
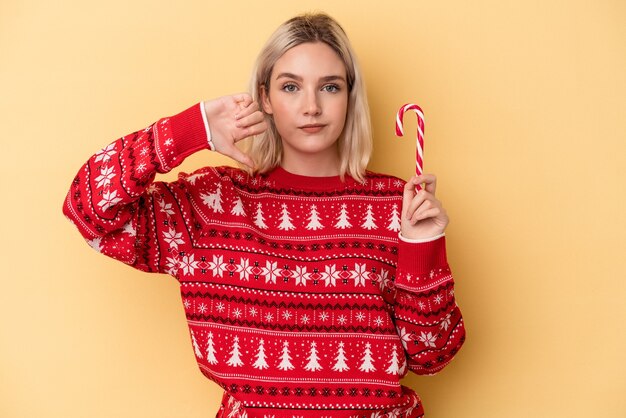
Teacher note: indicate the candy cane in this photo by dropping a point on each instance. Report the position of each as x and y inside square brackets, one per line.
[419, 152]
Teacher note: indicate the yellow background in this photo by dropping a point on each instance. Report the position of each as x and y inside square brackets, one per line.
[525, 108]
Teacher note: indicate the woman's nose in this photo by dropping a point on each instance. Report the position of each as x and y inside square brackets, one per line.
[311, 104]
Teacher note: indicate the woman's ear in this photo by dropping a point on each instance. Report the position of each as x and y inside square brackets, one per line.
[265, 100]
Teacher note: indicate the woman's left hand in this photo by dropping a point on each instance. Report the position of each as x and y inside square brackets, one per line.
[423, 216]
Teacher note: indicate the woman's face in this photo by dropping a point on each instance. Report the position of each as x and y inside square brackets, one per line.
[308, 99]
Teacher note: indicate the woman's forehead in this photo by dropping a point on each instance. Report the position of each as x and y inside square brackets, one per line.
[309, 60]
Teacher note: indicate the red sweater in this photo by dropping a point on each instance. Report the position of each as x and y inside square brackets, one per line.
[300, 297]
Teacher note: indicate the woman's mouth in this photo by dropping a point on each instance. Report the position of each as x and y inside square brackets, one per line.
[312, 128]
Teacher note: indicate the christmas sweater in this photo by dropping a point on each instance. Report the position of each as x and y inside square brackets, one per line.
[302, 299]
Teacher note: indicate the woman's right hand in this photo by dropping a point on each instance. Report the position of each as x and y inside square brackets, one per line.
[231, 119]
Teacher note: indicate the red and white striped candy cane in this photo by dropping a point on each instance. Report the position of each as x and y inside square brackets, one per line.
[419, 152]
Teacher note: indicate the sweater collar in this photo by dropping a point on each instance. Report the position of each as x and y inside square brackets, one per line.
[284, 179]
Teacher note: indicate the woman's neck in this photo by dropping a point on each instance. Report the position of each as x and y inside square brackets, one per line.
[311, 165]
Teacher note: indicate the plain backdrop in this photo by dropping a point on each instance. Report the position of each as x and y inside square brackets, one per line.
[525, 110]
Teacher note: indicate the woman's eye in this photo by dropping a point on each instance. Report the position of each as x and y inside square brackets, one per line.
[331, 88]
[289, 87]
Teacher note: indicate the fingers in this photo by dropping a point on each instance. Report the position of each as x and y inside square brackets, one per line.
[247, 110]
[249, 116]
[429, 180]
[242, 99]
[422, 204]
[255, 129]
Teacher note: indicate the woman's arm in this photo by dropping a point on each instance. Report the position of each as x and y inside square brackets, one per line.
[115, 203]
[428, 319]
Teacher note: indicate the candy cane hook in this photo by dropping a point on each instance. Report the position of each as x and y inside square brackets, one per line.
[419, 152]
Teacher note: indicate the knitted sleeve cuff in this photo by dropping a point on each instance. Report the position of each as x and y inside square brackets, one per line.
[206, 127]
[189, 131]
[420, 240]
[418, 263]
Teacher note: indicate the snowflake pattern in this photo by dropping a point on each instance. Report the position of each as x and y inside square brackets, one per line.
[166, 208]
[217, 266]
[173, 238]
[105, 153]
[359, 274]
[188, 265]
[405, 337]
[445, 322]
[105, 177]
[171, 265]
[428, 339]
[109, 199]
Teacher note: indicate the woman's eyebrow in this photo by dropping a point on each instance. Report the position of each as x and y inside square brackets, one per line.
[298, 78]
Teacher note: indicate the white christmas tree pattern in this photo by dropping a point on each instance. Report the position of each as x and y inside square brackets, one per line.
[237, 209]
[369, 222]
[214, 200]
[340, 361]
[394, 366]
[235, 354]
[285, 363]
[394, 220]
[196, 348]
[314, 219]
[343, 220]
[367, 364]
[313, 364]
[259, 220]
[261, 362]
[285, 223]
[210, 350]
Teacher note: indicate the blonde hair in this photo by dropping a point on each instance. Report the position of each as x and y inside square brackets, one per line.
[355, 142]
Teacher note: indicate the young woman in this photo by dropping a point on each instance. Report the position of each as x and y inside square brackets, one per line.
[310, 285]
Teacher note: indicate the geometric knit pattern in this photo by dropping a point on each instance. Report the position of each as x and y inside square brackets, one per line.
[300, 297]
